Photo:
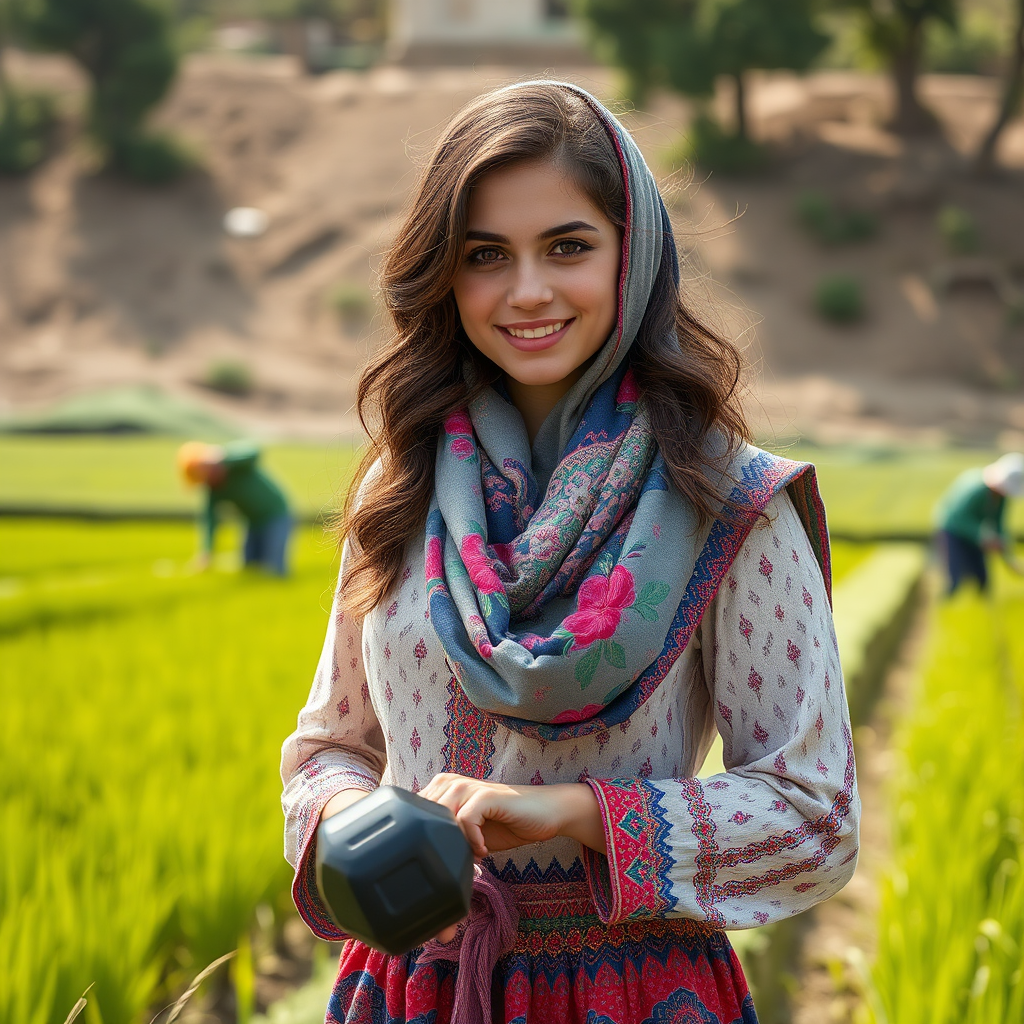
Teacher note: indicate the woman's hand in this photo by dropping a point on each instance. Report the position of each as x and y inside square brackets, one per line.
[496, 817]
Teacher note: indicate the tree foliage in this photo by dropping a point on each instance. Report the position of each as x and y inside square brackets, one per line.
[632, 36]
[687, 44]
[26, 116]
[1013, 96]
[337, 11]
[126, 47]
[895, 30]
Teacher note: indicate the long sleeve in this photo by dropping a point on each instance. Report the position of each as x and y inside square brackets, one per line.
[338, 744]
[778, 831]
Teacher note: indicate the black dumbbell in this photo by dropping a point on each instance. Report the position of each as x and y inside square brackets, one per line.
[394, 869]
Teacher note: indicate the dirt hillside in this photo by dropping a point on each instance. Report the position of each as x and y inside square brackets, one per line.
[104, 283]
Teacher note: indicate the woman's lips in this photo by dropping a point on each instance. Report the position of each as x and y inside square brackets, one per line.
[536, 344]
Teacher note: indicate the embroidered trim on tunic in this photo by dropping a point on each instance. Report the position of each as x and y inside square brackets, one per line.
[565, 968]
[710, 860]
[633, 881]
[469, 736]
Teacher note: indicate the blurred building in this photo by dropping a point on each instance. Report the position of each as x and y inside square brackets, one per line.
[531, 32]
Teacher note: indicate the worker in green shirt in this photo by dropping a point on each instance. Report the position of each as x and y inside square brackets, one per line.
[232, 473]
[971, 519]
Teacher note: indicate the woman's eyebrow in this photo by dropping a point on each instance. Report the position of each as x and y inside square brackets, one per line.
[562, 229]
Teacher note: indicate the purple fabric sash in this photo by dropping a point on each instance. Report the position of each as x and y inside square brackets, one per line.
[488, 932]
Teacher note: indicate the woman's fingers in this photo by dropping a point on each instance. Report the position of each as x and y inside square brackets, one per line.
[453, 791]
[440, 785]
[471, 817]
[510, 816]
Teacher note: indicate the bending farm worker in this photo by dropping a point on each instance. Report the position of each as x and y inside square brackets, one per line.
[232, 473]
[971, 519]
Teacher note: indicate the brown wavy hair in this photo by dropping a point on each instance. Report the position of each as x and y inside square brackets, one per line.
[686, 373]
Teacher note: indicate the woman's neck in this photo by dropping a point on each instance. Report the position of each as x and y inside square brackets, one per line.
[535, 401]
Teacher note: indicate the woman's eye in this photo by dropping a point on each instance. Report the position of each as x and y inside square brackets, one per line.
[486, 255]
[571, 247]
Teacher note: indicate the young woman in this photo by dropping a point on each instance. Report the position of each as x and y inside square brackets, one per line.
[563, 570]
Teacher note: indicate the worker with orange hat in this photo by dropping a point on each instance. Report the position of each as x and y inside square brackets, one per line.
[232, 473]
[971, 519]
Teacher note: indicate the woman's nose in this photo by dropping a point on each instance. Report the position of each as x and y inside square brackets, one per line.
[529, 287]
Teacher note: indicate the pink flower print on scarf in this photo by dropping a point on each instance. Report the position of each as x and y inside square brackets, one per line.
[480, 637]
[504, 553]
[628, 393]
[599, 606]
[479, 566]
[458, 423]
[459, 427]
[578, 716]
[463, 448]
[545, 543]
[435, 559]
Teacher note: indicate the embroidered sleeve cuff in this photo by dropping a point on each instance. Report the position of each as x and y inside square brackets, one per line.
[304, 891]
[632, 881]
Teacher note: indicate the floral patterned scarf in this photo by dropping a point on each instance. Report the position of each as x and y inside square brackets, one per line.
[561, 607]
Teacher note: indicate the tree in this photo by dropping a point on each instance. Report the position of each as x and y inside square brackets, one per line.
[736, 36]
[126, 48]
[1012, 96]
[895, 29]
[687, 44]
[631, 35]
[26, 116]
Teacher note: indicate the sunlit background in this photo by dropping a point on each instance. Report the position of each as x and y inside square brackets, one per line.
[194, 196]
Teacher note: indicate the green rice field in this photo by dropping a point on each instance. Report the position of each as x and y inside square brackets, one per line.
[142, 708]
[143, 713]
[951, 931]
[869, 492]
[136, 474]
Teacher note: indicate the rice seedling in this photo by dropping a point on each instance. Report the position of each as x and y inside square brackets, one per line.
[140, 730]
[951, 928]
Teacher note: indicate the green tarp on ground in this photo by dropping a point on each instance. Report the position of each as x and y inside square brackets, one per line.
[141, 409]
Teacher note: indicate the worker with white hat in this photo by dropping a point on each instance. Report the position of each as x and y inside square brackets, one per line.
[971, 519]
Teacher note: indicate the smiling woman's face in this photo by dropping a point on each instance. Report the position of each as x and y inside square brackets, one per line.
[538, 287]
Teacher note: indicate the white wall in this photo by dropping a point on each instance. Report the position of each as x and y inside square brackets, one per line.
[473, 21]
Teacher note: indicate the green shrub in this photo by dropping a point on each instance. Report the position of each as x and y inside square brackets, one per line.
[839, 298]
[26, 120]
[230, 377]
[830, 224]
[713, 149]
[151, 159]
[959, 230]
[352, 302]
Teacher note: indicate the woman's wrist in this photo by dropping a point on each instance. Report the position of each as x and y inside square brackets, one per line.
[341, 800]
[579, 814]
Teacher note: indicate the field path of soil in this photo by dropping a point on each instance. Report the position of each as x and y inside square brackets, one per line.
[840, 943]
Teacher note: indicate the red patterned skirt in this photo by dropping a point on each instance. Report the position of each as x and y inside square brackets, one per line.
[565, 968]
